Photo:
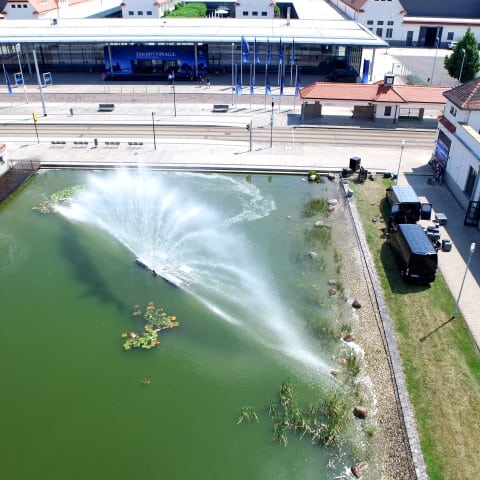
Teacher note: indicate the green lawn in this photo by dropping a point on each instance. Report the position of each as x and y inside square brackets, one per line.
[442, 366]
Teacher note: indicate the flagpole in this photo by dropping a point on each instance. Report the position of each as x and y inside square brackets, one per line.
[295, 92]
[251, 80]
[266, 73]
[233, 78]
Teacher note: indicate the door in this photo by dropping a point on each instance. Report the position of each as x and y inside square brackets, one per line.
[472, 216]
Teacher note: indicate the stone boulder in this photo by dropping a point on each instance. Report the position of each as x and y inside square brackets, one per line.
[360, 412]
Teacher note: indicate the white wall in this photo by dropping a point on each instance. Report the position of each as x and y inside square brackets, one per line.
[147, 8]
[78, 10]
[254, 9]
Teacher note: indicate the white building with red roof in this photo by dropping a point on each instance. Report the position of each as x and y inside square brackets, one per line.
[457, 150]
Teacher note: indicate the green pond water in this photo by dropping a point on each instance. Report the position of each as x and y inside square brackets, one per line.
[73, 405]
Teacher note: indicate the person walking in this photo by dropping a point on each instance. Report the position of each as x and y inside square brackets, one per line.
[208, 82]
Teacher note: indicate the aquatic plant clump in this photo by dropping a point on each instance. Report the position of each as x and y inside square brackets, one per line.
[323, 423]
[62, 197]
[316, 206]
[156, 320]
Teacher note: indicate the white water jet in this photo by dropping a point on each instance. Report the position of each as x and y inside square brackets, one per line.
[185, 227]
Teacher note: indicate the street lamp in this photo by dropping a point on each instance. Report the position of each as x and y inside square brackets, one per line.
[470, 254]
[437, 41]
[461, 68]
[153, 128]
[18, 49]
[271, 123]
[400, 161]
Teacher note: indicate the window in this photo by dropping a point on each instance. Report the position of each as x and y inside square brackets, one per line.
[264, 14]
[140, 12]
[390, 22]
[450, 36]
[14, 6]
[379, 32]
[389, 33]
[380, 22]
[149, 12]
[245, 13]
[453, 111]
[25, 5]
[472, 175]
[369, 22]
[387, 112]
[130, 12]
[254, 14]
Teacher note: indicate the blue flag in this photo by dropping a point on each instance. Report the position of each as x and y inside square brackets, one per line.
[252, 82]
[280, 53]
[255, 49]
[238, 86]
[269, 53]
[268, 89]
[292, 55]
[297, 85]
[282, 82]
[7, 81]
[245, 50]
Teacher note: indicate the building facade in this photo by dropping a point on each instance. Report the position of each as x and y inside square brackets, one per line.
[55, 9]
[413, 23]
[457, 152]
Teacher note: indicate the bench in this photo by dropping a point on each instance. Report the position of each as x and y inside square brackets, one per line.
[106, 107]
[135, 144]
[58, 143]
[112, 144]
[220, 107]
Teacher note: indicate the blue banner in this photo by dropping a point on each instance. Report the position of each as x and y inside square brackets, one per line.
[255, 49]
[282, 81]
[245, 50]
[292, 53]
[7, 81]
[297, 85]
[252, 82]
[269, 53]
[280, 53]
[238, 86]
[366, 70]
[268, 89]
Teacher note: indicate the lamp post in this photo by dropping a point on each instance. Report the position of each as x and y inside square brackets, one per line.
[470, 254]
[461, 68]
[400, 161]
[18, 49]
[437, 41]
[271, 123]
[153, 128]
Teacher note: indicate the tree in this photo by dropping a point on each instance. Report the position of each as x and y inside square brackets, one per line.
[466, 47]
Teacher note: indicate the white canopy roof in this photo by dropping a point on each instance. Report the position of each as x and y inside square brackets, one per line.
[119, 30]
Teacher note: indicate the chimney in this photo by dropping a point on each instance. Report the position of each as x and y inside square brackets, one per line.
[388, 80]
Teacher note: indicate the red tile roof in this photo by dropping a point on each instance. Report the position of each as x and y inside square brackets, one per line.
[374, 92]
[447, 123]
[466, 96]
[355, 4]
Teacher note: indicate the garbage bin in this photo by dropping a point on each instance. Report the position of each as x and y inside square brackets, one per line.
[355, 163]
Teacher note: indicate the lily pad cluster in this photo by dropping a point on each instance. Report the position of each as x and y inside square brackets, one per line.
[156, 320]
[61, 197]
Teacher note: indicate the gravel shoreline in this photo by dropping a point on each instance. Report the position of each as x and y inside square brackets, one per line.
[390, 442]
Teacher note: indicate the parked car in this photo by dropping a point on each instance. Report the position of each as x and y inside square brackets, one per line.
[405, 206]
[414, 252]
[451, 45]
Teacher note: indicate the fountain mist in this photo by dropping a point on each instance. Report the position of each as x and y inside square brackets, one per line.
[186, 227]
